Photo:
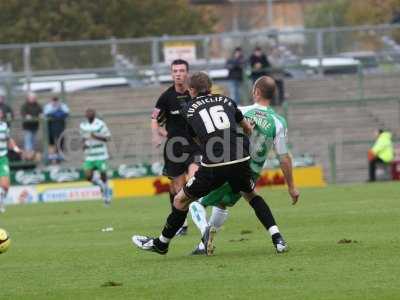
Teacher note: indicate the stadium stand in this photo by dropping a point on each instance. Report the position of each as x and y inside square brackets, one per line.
[321, 112]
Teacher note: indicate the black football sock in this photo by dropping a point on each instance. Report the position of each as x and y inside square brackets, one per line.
[175, 221]
[263, 212]
[171, 199]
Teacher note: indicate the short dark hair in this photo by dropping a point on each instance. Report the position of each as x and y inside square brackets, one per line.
[180, 62]
[201, 82]
[267, 87]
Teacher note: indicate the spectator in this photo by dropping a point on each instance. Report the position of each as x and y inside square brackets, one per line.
[259, 64]
[56, 112]
[277, 61]
[30, 113]
[7, 110]
[235, 66]
[381, 152]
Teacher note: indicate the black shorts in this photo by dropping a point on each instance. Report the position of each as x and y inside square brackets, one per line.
[207, 179]
[177, 159]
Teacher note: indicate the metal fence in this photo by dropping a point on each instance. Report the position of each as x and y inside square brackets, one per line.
[283, 46]
[339, 133]
[130, 143]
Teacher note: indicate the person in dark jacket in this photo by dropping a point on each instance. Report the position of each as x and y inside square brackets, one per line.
[30, 113]
[7, 110]
[235, 66]
[259, 64]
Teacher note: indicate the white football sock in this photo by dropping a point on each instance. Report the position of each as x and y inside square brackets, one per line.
[201, 246]
[218, 217]
[199, 216]
[100, 183]
[163, 239]
[273, 229]
[3, 195]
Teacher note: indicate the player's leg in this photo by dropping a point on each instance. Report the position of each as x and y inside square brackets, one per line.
[177, 184]
[191, 170]
[196, 187]
[4, 182]
[265, 216]
[107, 193]
[245, 183]
[106, 190]
[174, 222]
[218, 197]
[4, 186]
[88, 169]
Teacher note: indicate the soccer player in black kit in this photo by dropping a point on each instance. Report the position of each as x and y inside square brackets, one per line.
[213, 120]
[179, 149]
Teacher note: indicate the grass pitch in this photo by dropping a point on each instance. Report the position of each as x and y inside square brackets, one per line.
[344, 244]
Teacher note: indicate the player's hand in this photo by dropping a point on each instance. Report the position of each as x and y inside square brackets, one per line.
[162, 132]
[157, 141]
[295, 194]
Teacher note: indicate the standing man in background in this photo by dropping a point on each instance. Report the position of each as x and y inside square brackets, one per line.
[259, 64]
[7, 110]
[57, 113]
[30, 112]
[180, 149]
[381, 152]
[235, 66]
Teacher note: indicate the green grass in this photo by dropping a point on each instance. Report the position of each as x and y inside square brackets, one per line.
[59, 252]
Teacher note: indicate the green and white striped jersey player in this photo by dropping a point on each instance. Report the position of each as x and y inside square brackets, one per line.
[269, 132]
[95, 135]
[5, 143]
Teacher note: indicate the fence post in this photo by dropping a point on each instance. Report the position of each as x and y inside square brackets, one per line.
[27, 65]
[45, 139]
[206, 51]
[320, 51]
[155, 58]
[360, 76]
[285, 107]
[332, 162]
[63, 92]
[398, 110]
[114, 51]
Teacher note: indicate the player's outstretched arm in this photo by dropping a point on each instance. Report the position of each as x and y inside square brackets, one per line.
[286, 166]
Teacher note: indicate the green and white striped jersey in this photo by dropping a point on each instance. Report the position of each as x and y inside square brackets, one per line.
[270, 131]
[4, 136]
[95, 149]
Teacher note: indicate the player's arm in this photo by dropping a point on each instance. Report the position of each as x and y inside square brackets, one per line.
[157, 131]
[103, 135]
[281, 149]
[246, 126]
[13, 146]
[287, 169]
[84, 137]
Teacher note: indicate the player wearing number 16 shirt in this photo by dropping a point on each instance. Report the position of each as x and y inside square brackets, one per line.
[213, 122]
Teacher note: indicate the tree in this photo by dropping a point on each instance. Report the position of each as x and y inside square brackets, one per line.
[337, 13]
[327, 14]
[351, 12]
[24, 21]
[368, 12]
